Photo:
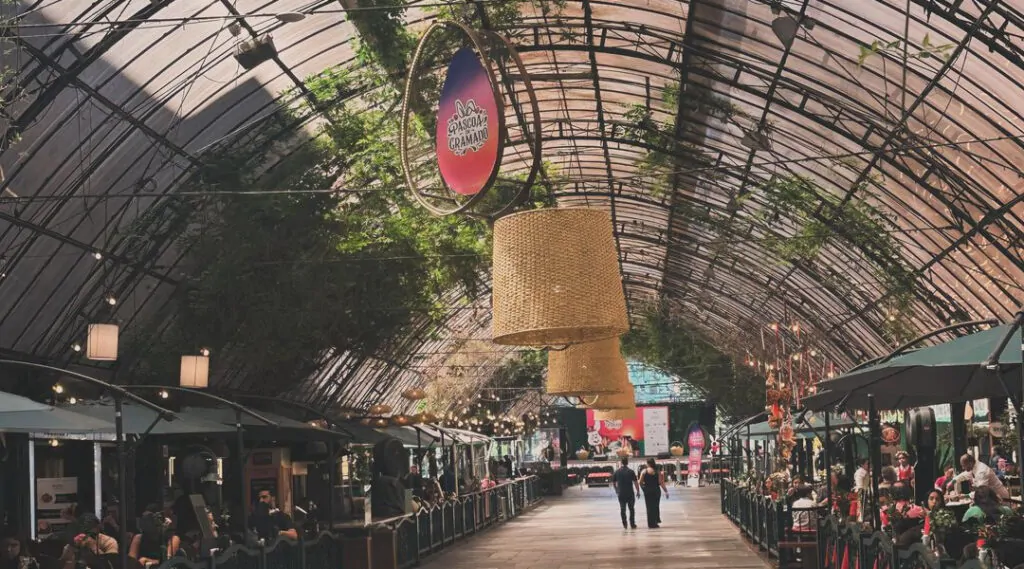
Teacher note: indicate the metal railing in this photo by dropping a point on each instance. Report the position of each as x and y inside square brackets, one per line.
[415, 536]
[839, 544]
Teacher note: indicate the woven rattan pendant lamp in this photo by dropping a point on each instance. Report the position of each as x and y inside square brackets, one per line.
[625, 398]
[586, 370]
[615, 414]
[556, 278]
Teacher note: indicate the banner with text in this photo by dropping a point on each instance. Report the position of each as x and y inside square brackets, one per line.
[655, 430]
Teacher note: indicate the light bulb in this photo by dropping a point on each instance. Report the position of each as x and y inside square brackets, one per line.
[54, 443]
[76, 347]
[97, 255]
[72, 401]
[205, 352]
[111, 300]
[58, 388]
[163, 394]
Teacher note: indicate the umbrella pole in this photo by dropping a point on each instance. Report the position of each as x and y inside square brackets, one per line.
[243, 502]
[332, 475]
[1020, 419]
[122, 482]
[875, 450]
[827, 449]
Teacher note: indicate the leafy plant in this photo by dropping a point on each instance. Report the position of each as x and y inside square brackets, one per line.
[894, 48]
[673, 345]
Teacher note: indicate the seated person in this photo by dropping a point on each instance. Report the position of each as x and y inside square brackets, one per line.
[804, 520]
[941, 481]
[904, 517]
[987, 508]
[89, 544]
[13, 554]
[270, 522]
[155, 542]
[889, 477]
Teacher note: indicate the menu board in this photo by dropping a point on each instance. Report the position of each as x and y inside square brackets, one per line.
[54, 500]
[655, 430]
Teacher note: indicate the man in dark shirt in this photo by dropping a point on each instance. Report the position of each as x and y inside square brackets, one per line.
[626, 487]
[270, 522]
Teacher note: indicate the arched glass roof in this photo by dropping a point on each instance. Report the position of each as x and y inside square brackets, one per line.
[719, 133]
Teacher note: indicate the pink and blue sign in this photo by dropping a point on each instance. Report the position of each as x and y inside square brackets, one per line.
[468, 126]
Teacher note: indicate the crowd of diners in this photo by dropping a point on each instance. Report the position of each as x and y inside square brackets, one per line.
[163, 532]
[974, 497]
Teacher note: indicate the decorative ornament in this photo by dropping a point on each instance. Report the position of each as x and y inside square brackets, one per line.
[455, 173]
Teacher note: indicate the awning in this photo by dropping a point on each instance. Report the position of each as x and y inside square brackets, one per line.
[469, 437]
[817, 420]
[21, 415]
[945, 373]
[435, 432]
[361, 434]
[138, 420]
[407, 435]
[284, 428]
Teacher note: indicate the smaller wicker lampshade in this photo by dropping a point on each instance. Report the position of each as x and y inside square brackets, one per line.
[585, 370]
[401, 420]
[556, 278]
[624, 399]
[380, 409]
[615, 414]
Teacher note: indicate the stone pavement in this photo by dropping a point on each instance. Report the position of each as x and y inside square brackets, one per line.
[582, 530]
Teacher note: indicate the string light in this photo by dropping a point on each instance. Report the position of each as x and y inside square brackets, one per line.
[76, 347]
[58, 388]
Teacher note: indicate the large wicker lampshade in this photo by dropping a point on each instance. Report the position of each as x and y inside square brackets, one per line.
[585, 370]
[623, 399]
[556, 278]
[615, 414]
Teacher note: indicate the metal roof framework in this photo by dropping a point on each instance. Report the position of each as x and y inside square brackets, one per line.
[120, 100]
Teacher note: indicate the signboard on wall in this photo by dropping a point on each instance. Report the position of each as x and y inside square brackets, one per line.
[615, 434]
[54, 500]
[655, 430]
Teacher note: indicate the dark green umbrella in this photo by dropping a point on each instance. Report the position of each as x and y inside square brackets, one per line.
[139, 420]
[21, 415]
[945, 373]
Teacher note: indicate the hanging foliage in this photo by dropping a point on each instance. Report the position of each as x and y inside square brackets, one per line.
[667, 342]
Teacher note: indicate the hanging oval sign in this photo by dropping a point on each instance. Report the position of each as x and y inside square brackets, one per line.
[468, 126]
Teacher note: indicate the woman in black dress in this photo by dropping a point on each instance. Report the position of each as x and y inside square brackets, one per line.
[652, 483]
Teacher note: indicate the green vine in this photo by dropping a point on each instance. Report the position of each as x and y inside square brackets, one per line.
[823, 218]
[894, 49]
[670, 343]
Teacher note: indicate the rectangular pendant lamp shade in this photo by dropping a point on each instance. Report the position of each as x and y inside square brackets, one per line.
[615, 414]
[623, 399]
[556, 278]
[585, 370]
[101, 345]
[195, 371]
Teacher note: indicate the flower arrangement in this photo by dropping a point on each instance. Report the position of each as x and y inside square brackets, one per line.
[940, 522]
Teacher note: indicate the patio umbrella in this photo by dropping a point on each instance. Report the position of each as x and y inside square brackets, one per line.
[945, 373]
[139, 420]
[21, 415]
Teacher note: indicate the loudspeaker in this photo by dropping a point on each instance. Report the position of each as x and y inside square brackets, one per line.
[921, 429]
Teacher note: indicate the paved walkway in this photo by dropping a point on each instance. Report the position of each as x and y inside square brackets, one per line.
[582, 530]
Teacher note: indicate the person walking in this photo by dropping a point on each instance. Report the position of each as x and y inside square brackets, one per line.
[625, 483]
[652, 482]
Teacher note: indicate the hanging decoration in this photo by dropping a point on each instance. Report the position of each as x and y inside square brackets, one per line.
[414, 394]
[779, 402]
[586, 370]
[556, 279]
[455, 173]
[101, 344]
